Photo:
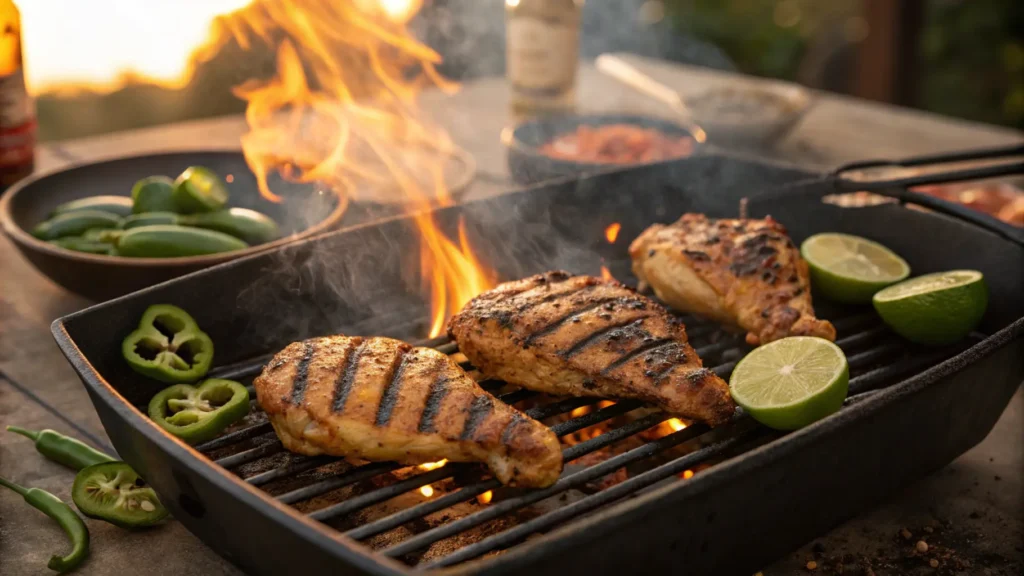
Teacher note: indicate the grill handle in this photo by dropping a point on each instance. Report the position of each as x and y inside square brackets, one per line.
[893, 178]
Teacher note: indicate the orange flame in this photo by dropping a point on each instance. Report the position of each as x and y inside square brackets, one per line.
[485, 498]
[611, 233]
[427, 490]
[342, 112]
[606, 274]
[687, 474]
[432, 465]
[676, 424]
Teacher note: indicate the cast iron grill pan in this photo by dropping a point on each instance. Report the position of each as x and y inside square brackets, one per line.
[911, 410]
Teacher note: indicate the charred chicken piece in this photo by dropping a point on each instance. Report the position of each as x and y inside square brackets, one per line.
[582, 336]
[382, 399]
[746, 273]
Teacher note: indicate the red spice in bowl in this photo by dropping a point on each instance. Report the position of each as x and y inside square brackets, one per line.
[617, 144]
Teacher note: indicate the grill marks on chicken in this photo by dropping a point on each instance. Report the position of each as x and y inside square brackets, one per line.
[746, 273]
[382, 399]
[582, 336]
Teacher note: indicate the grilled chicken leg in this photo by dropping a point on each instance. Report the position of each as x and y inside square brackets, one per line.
[382, 399]
[582, 336]
[746, 273]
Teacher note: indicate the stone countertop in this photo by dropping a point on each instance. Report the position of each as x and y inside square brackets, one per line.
[973, 506]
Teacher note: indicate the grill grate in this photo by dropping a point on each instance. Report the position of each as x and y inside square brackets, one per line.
[876, 358]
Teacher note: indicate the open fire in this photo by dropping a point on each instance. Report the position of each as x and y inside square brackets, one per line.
[340, 111]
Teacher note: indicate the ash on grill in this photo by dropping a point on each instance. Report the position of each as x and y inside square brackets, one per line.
[442, 514]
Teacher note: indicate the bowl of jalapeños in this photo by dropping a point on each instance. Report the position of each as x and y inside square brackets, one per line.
[105, 229]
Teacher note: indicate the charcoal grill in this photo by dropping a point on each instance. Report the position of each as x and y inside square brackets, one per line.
[910, 410]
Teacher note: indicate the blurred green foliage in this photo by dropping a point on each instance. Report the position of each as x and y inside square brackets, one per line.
[763, 37]
[972, 58]
[971, 55]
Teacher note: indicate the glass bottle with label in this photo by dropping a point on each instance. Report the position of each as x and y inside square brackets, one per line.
[542, 53]
[17, 112]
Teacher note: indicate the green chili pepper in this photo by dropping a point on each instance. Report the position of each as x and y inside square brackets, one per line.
[153, 194]
[63, 449]
[79, 244]
[149, 219]
[199, 413]
[199, 189]
[168, 346]
[120, 205]
[165, 241]
[248, 225]
[67, 519]
[74, 224]
[115, 493]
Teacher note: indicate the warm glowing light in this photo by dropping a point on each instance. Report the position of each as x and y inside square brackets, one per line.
[611, 233]
[606, 274]
[401, 10]
[605, 403]
[432, 465]
[342, 112]
[485, 498]
[427, 490]
[102, 44]
[453, 273]
[687, 474]
[229, 178]
[581, 411]
[676, 424]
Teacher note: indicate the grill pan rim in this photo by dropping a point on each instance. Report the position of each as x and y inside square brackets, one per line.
[326, 538]
[750, 461]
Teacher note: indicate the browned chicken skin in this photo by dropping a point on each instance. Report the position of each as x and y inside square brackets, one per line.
[382, 399]
[582, 336]
[746, 273]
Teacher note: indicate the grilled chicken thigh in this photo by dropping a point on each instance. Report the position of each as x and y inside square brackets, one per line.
[746, 273]
[582, 336]
[382, 399]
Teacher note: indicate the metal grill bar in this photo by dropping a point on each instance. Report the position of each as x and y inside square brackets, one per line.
[872, 355]
[246, 456]
[589, 503]
[296, 466]
[236, 437]
[571, 481]
[473, 490]
[705, 352]
[862, 338]
[878, 377]
[347, 479]
[860, 383]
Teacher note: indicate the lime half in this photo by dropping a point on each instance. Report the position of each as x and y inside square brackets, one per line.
[849, 268]
[199, 189]
[790, 383]
[934, 309]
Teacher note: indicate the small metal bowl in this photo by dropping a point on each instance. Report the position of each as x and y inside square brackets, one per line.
[304, 212]
[528, 165]
[749, 115]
